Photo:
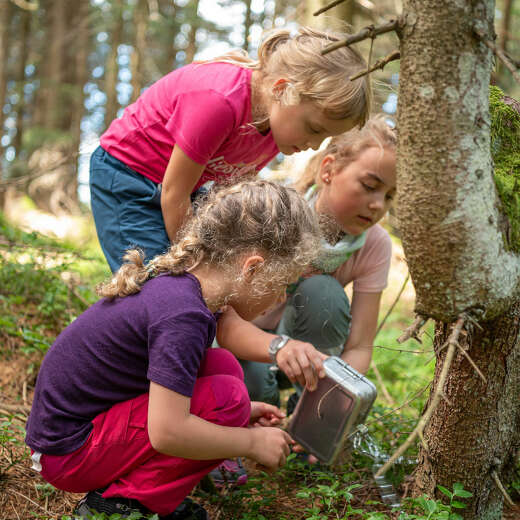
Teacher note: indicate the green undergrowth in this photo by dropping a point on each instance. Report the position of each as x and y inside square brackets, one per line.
[44, 285]
[505, 149]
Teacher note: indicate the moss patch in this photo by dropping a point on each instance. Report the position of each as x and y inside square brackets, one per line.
[505, 149]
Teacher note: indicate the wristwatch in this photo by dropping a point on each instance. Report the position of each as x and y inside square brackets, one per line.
[276, 344]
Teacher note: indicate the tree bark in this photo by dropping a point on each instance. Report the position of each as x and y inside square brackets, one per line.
[506, 24]
[25, 26]
[55, 65]
[5, 15]
[476, 431]
[191, 47]
[111, 65]
[136, 60]
[447, 201]
[248, 22]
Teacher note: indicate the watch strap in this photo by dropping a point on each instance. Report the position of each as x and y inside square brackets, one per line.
[276, 344]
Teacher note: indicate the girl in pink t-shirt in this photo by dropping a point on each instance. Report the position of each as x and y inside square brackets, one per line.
[350, 184]
[216, 121]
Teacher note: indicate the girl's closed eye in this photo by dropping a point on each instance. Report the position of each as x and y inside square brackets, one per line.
[368, 187]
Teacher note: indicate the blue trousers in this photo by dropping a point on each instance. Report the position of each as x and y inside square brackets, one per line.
[127, 209]
[317, 312]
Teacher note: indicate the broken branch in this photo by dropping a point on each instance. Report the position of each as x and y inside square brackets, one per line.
[499, 53]
[412, 330]
[371, 31]
[327, 7]
[379, 64]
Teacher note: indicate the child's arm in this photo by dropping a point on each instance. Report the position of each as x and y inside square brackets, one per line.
[180, 177]
[299, 360]
[358, 348]
[174, 431]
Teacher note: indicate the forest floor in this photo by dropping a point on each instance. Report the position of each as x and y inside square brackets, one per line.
[44, 284]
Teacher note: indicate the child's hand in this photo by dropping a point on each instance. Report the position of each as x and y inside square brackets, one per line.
[301, 362]
[270, 447]
[263, 414]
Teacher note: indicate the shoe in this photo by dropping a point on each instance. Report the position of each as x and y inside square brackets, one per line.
[93, 502]
[292, 402]
[230, 472]
[187, 510]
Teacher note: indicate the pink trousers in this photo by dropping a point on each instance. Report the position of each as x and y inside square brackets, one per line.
[118, 452]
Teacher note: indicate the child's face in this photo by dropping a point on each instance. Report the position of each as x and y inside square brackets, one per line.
[299, 127]
[359, 194]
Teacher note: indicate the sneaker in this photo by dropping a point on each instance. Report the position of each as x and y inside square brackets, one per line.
[230, 472]
[187, 510]
[93, 502]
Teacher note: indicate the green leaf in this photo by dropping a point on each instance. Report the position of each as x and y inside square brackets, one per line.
[447, 492]
[457, 505]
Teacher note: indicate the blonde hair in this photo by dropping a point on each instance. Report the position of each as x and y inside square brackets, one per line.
[321, 79]
[347, 147]
[249, 217]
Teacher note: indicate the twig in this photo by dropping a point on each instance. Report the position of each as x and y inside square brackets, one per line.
[32, 501]
[15, 407]
[472, 363]
[437, 396]
[412, 330]
[400, 350]
[502, 489]
[386, 393]
[327, 7]
[499, 53]
[24, 392]
[379, 64]
[371, 31]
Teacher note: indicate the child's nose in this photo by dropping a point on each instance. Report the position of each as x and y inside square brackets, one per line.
[377, 203]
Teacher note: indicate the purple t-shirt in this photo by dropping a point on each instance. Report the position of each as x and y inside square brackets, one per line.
[112, 351]
[205, 109]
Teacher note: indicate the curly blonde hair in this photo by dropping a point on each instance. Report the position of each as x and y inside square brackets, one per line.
[346, 148]
[249, 217]
[321, 79]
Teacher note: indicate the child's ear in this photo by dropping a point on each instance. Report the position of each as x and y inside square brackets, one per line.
[327, 168]
[279, 86]
[250, 266]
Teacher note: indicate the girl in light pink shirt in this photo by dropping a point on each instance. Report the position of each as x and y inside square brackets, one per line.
[350, 185]
[216, 121]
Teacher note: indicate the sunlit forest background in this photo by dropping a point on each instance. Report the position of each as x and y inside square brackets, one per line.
[68, 68]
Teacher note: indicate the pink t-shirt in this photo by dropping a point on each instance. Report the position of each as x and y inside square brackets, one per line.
[204, 109]
[367, 268]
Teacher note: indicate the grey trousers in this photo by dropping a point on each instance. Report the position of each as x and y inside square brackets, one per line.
[318, 312]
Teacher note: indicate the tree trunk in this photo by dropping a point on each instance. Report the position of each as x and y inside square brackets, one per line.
[248, 22]
[191, 47]
[55, 65]
[506, 24]
[25, 26]
[475, 432]
[450, 220]
[447, 200]
[136, 60]
[78, 101]
[111, 65]
[5, 15]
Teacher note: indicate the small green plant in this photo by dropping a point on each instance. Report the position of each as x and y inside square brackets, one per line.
[12, 448]
[431, 509]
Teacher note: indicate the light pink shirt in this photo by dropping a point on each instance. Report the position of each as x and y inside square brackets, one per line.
[204, 109]
[367, 268]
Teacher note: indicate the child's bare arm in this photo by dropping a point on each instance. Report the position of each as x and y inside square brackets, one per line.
[174, 431]
[358, 348]
[299, 360]
[181, 176]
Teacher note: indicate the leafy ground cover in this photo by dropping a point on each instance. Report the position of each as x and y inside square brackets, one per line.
[45, 284]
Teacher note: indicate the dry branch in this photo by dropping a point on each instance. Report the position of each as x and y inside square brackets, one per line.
[499, 53]
[412, 330]
[371, 31]
[379, 64]
[502, 489]
[27, 6]
[327, 7]
[437, 396]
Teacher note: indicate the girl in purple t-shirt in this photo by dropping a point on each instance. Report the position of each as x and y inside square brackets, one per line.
[132, 405]
[216, 121]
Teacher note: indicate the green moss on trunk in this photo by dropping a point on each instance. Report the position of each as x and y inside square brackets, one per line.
[505, 149]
